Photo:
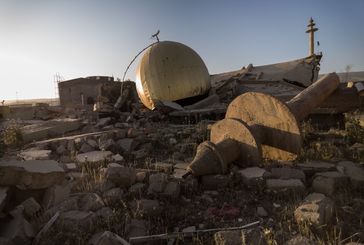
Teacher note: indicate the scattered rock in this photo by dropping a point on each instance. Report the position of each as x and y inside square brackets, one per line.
[61, 149]
[18, 230]
[355, 173]
[329, 182]
[107, 238]
[148, 207]
[36, 174]
[103, 122]
[261, 212]
[121, 176]
[312, 167]
[137, 188]
[317, 210]
[285, 185]
[30, 207]
[140, 176]
[300, 240]
[56, 194]
[35, 155]
[229, 238]
[94, 156]
[91, 202]
[157, 182]
[75, 219]
[172, 189]
[92, 143]
[127, 145]
[253, 176]
[107, 145]
[164, 167]
[118, 158]
[287, 173]
[86, 148]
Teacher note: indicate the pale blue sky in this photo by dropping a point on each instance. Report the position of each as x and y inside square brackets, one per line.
[77, 38]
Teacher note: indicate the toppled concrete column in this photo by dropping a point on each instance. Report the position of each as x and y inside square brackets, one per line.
[37, 174]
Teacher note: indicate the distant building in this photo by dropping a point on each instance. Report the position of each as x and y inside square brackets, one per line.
[82, 92]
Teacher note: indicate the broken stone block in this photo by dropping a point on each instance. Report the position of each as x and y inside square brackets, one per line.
[118, 158]
[157, 182]
[329, 182]
[214, 182]
[136, 228]
[253, 176]
[147, 207]
[75, 219]
[285, 185]
[91, 202]
[313, 167]
[86, 148]
[163, 167]
[354, 171]
[48, 129]
[18, 230]
[36, 174]
[172, 189]
[121, 176]
[316, 209]
[229, 238]
[287, 173]
[127, 145]
[3, 197]
[107, 238]
[103, 122]
[35, 155]
[94, 156]
[56, 194]
[30, 207]
[112, 195]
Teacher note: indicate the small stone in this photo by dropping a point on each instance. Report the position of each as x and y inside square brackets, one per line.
[127, 145]
[103, 122]
[329, 182]
[94, 156]
[35, 155]
[107, 238]
[252, 176]
[121, 176]
[70, 167]
[140, 176]
[104, 213]
[61, 149]
[92, 143]
[91, 202]
[107, 145]
[285, 185]
[31, 207]
[75, 220]
[137, 188]
[172, 141]
[157, 182]
[18, 230]
[229, 238]
[316, 166]
[214, 182]
[261, 212]
[317, 210]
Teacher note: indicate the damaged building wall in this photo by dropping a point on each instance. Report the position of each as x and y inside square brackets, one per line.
[81, 92]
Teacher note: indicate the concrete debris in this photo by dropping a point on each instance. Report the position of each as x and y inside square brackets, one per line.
[287, 173]
[37, 174]
[94, 156]
[354, 172]
[285, 185]
[107, 238]
[316, 209]
[48, 129]
[35, 155]
[253, 176]
[56, 194]
[329, 182]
